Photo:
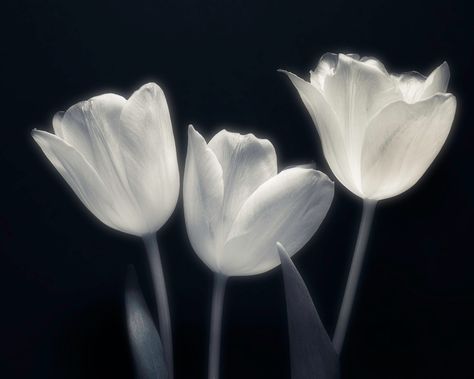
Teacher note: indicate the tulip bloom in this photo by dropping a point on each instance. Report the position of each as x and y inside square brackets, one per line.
[119, 158]
[379, 133]
[237, 207]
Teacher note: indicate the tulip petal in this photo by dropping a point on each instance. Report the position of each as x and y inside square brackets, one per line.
[437, 82]
[246, 163]
[92, 127]
[203, 193]
[312, 353]
[401, 143]
[356, 91]
[80, 176]
[149, 154]
[416, 87]
[57, 124]
[410, 85]
[145, 343]
[326, 66]
[376, 63]
[288, 208]
[329, 130]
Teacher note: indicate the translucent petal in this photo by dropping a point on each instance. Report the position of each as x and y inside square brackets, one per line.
[149, 154]
[81, 177]
[92, 127]
[329, 130]
[247, 162]
[416, 87]
[288, 208]
[401, 143]
[203, 193]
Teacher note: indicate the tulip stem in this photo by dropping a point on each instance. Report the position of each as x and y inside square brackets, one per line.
[354, 274]
[216, 325]
[161, 298]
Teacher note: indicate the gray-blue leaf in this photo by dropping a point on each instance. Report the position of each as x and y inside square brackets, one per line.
[145, 342]
[312, 354]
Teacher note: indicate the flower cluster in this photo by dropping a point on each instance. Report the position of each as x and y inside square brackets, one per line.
[379, 133]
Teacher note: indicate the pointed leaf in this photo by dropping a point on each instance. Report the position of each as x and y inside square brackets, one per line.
[311, 350]
[145, 342]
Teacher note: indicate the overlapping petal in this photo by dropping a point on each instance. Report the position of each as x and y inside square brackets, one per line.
[288, 208]
[247, 162]
[329, 130]
[203, 193]
[80, 176]
[371, 136]
[416, 87]
[129, 145]
[149, 154]
[401, 143]
[237, 206]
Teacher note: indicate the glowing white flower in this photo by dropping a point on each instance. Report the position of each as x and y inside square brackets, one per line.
[119, 157]
[379, 132]
[237, 207]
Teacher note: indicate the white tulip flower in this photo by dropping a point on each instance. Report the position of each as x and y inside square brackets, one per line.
[379, 132]
[119, 157]
[237, 206]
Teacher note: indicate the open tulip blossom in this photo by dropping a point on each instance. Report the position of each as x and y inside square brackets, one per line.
[119, 158]
[237, 206]
[379, 133]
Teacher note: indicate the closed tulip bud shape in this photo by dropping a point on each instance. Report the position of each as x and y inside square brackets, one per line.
[119, 157]
[379, 132]
[237, 206]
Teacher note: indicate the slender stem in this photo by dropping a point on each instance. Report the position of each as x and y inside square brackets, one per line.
[354, 274]
[159, 288]
[216, 325]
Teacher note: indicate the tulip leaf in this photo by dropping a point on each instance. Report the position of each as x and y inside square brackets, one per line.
[145, 342]
[312, 353]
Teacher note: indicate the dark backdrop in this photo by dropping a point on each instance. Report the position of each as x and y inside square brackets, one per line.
[61, 272]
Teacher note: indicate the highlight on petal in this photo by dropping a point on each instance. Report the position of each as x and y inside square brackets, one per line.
[415, 87]
[203, 193]
[288, 208]
[401, 143]
[145, 343]
[346, 95]
[312, 353]
[57, 124]
[410, 85]
[149, 154]
[437, 82]
[92, 127]
[329, 130]
[80, 176]
[375, 62]
[356, 92]
[326, 67]
[247, 162]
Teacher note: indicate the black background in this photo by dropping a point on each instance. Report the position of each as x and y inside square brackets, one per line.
[61, 272]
